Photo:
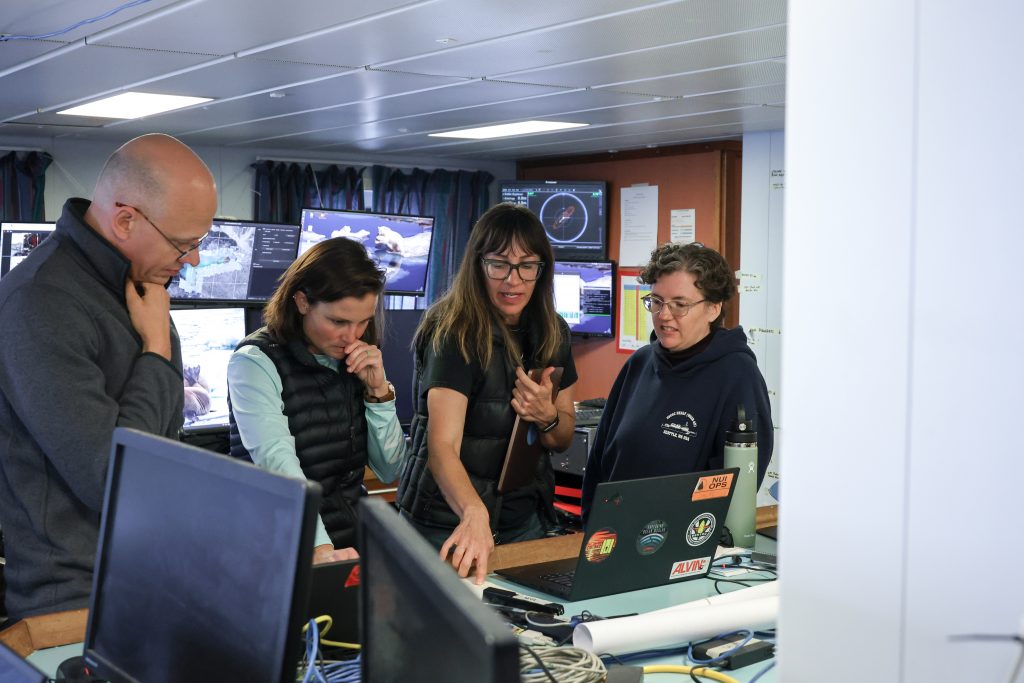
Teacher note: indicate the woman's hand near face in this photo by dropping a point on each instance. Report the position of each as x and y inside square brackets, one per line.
[366, 362]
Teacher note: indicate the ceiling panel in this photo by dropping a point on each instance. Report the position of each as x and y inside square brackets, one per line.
[228, 26]
[83, 73]
[408, 39]
[374, 78]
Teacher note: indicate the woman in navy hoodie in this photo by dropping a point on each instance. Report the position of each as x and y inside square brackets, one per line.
[674, 399]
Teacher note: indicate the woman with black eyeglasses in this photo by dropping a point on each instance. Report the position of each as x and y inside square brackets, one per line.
[473, 351]
[674, 399]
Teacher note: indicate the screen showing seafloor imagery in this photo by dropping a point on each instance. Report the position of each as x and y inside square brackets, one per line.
[208, 338]
[225, 259]
[398, 244]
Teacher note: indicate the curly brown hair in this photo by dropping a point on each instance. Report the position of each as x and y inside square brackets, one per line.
[714, 278]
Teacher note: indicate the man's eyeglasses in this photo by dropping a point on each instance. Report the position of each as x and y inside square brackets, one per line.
[182, 253]
[677, 309]
[501, 270]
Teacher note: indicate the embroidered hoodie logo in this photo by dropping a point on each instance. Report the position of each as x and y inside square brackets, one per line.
[680, 425]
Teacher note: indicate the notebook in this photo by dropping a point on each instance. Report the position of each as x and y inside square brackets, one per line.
[334, 591]
[640, 533]
[524, 447]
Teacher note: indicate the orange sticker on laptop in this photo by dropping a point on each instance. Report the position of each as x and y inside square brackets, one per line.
[714, 486]
[600, 545]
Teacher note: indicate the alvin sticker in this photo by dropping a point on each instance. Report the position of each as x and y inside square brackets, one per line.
[681, 570]
[601, 544]
[715, 486]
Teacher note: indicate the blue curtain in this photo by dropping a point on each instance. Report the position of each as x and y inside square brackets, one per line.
[22, 181]
[454, 198]
[283, 189]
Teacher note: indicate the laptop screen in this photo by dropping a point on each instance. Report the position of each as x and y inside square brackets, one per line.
[418, 621]
[202, 567]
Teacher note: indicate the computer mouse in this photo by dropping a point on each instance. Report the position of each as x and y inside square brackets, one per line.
[74, 670]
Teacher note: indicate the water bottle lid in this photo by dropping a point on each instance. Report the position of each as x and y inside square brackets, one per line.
[742, 431]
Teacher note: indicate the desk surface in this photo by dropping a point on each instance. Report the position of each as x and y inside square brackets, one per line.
[646, 600]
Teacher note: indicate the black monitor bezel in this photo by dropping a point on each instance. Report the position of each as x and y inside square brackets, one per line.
[305, 498]
[430, 251]
[241, 302]
[6, 227]
[436, 581]
[614, 301]
[559, 252]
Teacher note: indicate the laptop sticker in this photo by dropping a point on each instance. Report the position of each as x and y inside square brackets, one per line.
[701, 528]
[652, 536]
[600, 546]
[715, 486]
[681, 570]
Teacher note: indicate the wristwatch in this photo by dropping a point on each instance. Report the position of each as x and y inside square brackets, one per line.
[390, 396]
[547, 428]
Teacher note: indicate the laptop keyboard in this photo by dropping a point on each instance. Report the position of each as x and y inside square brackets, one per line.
[586, 417]
[561, 578]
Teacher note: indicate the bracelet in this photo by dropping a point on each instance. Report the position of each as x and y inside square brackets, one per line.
[548, 428]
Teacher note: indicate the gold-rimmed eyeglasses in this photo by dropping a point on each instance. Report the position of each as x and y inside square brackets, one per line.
[182, 253]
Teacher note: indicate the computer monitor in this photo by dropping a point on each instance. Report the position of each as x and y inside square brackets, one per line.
[574, 214]
[202, 567]
[398, 244]
[585, 296]
[208, 337]
[418, 622]
[396, 352]
[239, 261]
[17, 240]
[14, 669]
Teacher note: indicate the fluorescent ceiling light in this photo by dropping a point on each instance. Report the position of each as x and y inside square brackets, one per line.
[508, 129]
[133, 105]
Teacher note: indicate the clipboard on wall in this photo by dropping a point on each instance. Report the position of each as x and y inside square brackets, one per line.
[524, 448]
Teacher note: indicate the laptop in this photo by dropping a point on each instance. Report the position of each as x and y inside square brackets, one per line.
[640, 533]
[334, 591]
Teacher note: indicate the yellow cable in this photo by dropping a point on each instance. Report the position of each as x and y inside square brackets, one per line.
[328, 622]
[701, 671]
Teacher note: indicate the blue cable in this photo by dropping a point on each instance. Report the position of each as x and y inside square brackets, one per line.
[62, 31]
[762, 672]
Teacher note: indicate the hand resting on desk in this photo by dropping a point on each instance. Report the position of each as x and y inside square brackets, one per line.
[322, 554]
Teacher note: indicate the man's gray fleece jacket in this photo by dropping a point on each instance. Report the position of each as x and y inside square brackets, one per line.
[71, 370]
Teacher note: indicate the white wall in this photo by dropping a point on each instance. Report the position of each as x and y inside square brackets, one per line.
[760, 272]
[77, 164]
[901, 521]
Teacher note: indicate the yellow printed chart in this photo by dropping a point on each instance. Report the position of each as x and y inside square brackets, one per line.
[634, 320]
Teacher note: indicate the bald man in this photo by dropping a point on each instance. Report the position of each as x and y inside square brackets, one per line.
[88, 346]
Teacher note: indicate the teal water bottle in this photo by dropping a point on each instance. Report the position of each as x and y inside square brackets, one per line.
[741, 452]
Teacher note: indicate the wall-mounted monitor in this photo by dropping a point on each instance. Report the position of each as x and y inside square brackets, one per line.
[17, 240]
[208, 337]
[585, 296]
[240, 261]
[418, 622]
[399, 244]
[574, 214]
